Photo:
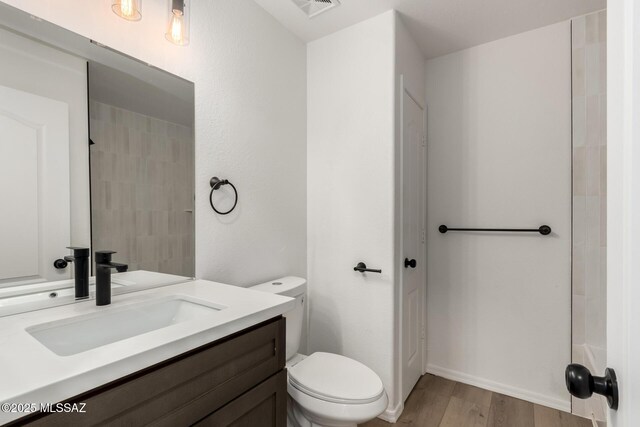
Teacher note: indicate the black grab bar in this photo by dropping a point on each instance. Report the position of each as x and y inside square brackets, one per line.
[543, 229]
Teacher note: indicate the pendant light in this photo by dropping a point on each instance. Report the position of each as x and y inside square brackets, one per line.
[178, 28]
[128, 9]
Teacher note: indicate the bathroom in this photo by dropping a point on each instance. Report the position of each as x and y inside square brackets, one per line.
[335, 148]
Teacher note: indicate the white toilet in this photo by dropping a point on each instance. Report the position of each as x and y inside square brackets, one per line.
[325, 390]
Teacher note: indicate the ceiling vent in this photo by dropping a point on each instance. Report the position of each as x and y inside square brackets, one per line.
[315, 7]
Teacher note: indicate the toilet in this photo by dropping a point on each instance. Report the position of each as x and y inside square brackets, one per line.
[325, 389]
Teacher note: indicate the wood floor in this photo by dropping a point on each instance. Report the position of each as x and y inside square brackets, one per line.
[437, 402]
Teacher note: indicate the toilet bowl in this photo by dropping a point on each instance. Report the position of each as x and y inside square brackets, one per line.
[331, 390]
[325, 389]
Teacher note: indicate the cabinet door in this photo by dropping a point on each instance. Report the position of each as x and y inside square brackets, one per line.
[264, 406]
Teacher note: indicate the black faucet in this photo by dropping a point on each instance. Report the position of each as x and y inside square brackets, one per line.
[80, 260]
[103, 276]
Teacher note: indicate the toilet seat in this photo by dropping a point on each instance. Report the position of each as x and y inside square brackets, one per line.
[336, 379]
[308, 411]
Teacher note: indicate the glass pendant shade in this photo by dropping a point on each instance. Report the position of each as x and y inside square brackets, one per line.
[131, 10]
[178, 26]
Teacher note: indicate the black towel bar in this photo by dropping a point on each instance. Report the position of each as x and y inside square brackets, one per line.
[543, 229]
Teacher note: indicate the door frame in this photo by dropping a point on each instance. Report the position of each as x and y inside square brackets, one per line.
[623, 206]
[422, 255]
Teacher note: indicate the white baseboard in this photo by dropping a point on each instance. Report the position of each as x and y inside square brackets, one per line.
[391, 415]
[497, 387]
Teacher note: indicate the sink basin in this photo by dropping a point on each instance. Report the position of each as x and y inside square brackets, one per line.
[81, 333]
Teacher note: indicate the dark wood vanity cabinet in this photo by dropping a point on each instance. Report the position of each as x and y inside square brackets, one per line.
[237, 381]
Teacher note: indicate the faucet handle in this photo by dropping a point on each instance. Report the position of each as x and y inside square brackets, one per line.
[103, 256]
[79, 251]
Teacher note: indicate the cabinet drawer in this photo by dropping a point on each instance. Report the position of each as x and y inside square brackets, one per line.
[184, 389]
[264, 406]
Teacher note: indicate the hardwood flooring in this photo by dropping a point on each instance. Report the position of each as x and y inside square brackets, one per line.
[437, 402]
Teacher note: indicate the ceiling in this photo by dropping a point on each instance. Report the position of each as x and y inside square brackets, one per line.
[172, 102]
[438, 26]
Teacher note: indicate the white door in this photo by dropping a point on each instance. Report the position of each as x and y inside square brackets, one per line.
[34, 171]
[623, 207]
[412, 261]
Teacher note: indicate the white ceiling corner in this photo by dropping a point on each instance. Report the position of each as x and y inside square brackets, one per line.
[438, 26]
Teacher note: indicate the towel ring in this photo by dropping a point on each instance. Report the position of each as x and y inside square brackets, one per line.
[216, 183]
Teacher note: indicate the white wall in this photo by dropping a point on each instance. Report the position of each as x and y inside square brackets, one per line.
[350, 208]
[499, 141]
[354, 131]
[249, 74]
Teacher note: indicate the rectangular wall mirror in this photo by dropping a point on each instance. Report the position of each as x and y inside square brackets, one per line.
[142, 171]
[97, 151]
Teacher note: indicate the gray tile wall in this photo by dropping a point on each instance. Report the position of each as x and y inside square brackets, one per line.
[589, 64]
[142, 190]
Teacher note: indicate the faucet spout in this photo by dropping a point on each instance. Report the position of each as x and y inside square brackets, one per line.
[104, 265]
[120, 268]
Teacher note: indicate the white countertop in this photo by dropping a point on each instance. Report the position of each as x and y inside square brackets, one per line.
[38, 296]
[31, 373]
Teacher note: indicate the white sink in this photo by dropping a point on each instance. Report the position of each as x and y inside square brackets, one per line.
[81, 333]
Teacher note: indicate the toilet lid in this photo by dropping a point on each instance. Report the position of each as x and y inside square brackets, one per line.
[336, 378]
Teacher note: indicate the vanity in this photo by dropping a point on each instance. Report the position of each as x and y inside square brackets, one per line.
[103, 146]
[198, 352]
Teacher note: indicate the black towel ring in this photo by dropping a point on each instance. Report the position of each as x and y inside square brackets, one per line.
[216, 183]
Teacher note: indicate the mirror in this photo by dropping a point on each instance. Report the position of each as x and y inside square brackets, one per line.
[97, 151]
[142, 172]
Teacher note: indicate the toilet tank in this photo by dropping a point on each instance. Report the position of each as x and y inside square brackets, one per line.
[294, 287]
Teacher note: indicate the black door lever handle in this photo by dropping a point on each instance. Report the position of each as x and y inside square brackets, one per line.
[410, 263]
[362, 268]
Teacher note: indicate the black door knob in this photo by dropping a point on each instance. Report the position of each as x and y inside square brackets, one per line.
[60, 264]
[410, 263]
[582, 384]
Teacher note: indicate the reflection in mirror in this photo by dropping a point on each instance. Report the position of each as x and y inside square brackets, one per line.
[43, 154]
[142, 169]
[131, 192]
